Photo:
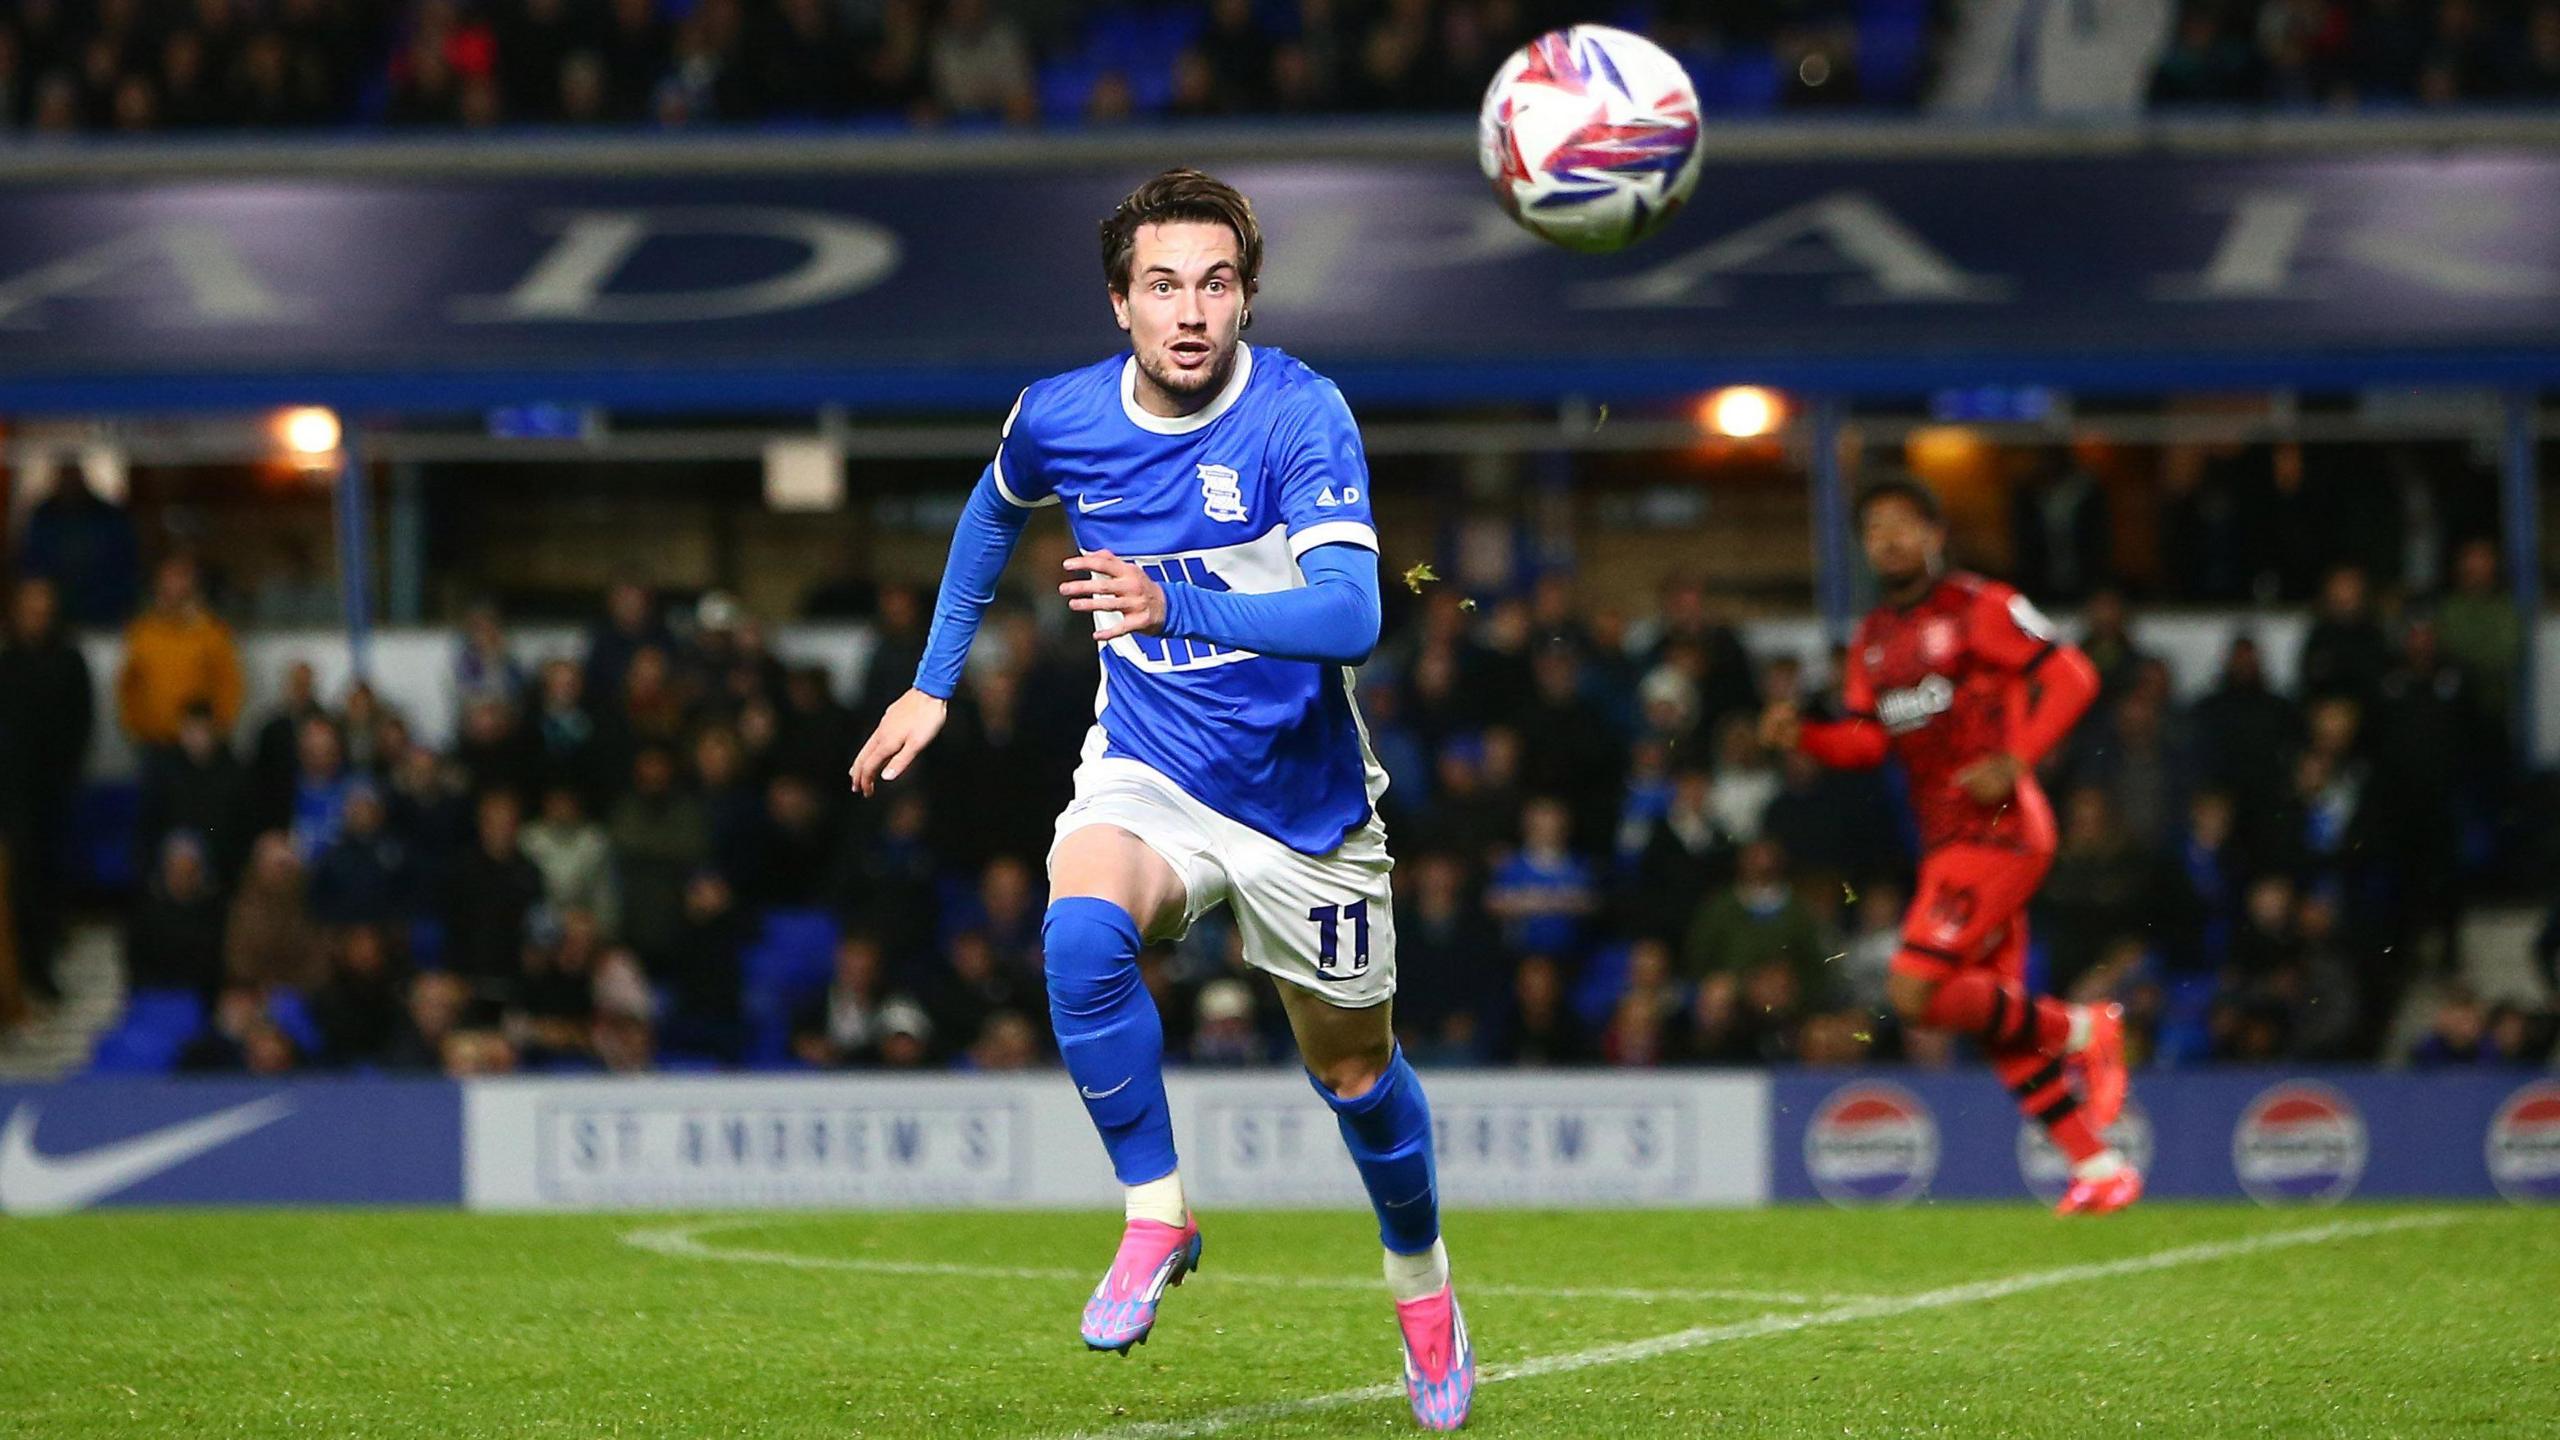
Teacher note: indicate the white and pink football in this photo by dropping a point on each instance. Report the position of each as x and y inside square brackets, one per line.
[1590, 136]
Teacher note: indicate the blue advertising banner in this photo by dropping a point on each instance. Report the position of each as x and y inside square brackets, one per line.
[222, 1142]
[1890, 1138]
[881, 292]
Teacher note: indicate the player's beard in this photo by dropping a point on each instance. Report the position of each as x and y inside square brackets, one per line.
[1188, 388]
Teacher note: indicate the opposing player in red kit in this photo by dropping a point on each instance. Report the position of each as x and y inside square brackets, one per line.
[1962, 680]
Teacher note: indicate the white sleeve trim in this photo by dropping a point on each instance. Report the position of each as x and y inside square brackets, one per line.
[1007, 490]
[1332, 532]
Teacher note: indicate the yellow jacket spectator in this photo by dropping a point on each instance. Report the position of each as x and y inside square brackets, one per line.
[176, 654]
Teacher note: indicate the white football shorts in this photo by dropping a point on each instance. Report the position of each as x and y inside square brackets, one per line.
[1324, 923]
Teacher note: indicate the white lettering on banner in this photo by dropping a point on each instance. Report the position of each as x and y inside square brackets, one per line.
[197, 266]
[570, 282]
[1881, 260]
[683, 1151]
[886, 1142]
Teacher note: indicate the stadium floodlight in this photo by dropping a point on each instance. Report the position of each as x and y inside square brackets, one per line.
[309, 432]
[1742, 412]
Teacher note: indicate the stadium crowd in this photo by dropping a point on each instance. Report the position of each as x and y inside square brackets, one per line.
[1599, 863]
[177, 65]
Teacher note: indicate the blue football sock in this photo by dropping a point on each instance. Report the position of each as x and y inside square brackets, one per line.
[1109, 1033]
[1389, 1132]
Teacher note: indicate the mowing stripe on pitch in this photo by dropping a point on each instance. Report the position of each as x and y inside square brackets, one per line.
[1885, 1308]
[684, 1242]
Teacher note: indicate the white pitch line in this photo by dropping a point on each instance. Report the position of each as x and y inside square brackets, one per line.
[684, 1242]
[1882, 1308]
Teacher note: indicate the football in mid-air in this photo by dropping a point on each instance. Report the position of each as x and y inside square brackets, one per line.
[1590, 137]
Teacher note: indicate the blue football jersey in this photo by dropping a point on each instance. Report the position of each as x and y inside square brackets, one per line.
[1227, 498]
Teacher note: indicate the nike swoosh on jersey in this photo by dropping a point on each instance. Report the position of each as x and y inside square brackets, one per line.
[1091, 1094]
[35, 1184]
[1086, 505]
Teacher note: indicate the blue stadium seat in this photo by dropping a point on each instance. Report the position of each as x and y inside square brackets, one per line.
[105, 823]
[292, 1014]
[157, 1024]
[792, 960]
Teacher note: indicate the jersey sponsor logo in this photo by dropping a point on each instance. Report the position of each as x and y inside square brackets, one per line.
[1871, 1144]
[2029, 619]
[2524, 1145]
[1910, 708]
[1327, 500]
[2048, 1173]
[2299, 1143]
[1222, 493]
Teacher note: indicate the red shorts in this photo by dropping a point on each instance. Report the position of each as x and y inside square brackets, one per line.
[1970, 909]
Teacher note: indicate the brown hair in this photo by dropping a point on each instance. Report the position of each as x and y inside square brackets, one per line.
[1171, 198]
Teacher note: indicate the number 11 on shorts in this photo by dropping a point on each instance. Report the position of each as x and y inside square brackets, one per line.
[1329, 920]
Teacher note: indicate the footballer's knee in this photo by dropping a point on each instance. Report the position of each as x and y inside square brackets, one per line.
[1353, 1075]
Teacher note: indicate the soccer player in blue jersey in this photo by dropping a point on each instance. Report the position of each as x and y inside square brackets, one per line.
[1219, 501]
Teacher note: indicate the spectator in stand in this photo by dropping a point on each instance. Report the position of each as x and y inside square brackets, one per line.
[1746, 781]
[1544, 894]
[2345, 652]
[174, 940]
[630, 622]
[313, 810]
[46, 717]
[841, 1026]
[981, 65]
[1540, 1029]
[575, 858]
[2209, 63]
[490, 892]
[2059, 530]
[1225, 1034]
[660, 838]
[1686, 853]
[240, 1039]
[1638, 1032]
[906, 1036]
[2129, 754]
[554, 1012]
[358, 1008]
[83, 543]
[2100, 881]
[1444, 945]
[176, 654]
[438, 1001]
[703, 973]
[1568, 746]
[563, 735]
[269, 939]
[2477, 621]
[2245, 732]
[791, 849]
[274, 753]
[1868, 957]
[1757, 923]
[367, 876]
[197, 786]
[2106, 637]
[2196, 895]
[482, 664]
[2457, 1035]
[493, 750]
[974, 987]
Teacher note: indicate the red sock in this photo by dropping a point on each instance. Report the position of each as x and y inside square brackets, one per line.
[2042, 1085]
[1979, 1002]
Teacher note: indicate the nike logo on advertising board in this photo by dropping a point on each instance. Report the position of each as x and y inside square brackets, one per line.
[36, 1184]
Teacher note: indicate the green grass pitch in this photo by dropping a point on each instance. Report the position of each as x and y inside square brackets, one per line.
[2168, 1321]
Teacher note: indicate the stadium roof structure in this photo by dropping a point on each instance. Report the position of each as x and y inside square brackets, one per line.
[889, 275]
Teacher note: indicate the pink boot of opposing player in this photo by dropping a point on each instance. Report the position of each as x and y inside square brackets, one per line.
[1153, 1258]
[1439, 1364]
[2102, 1196]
